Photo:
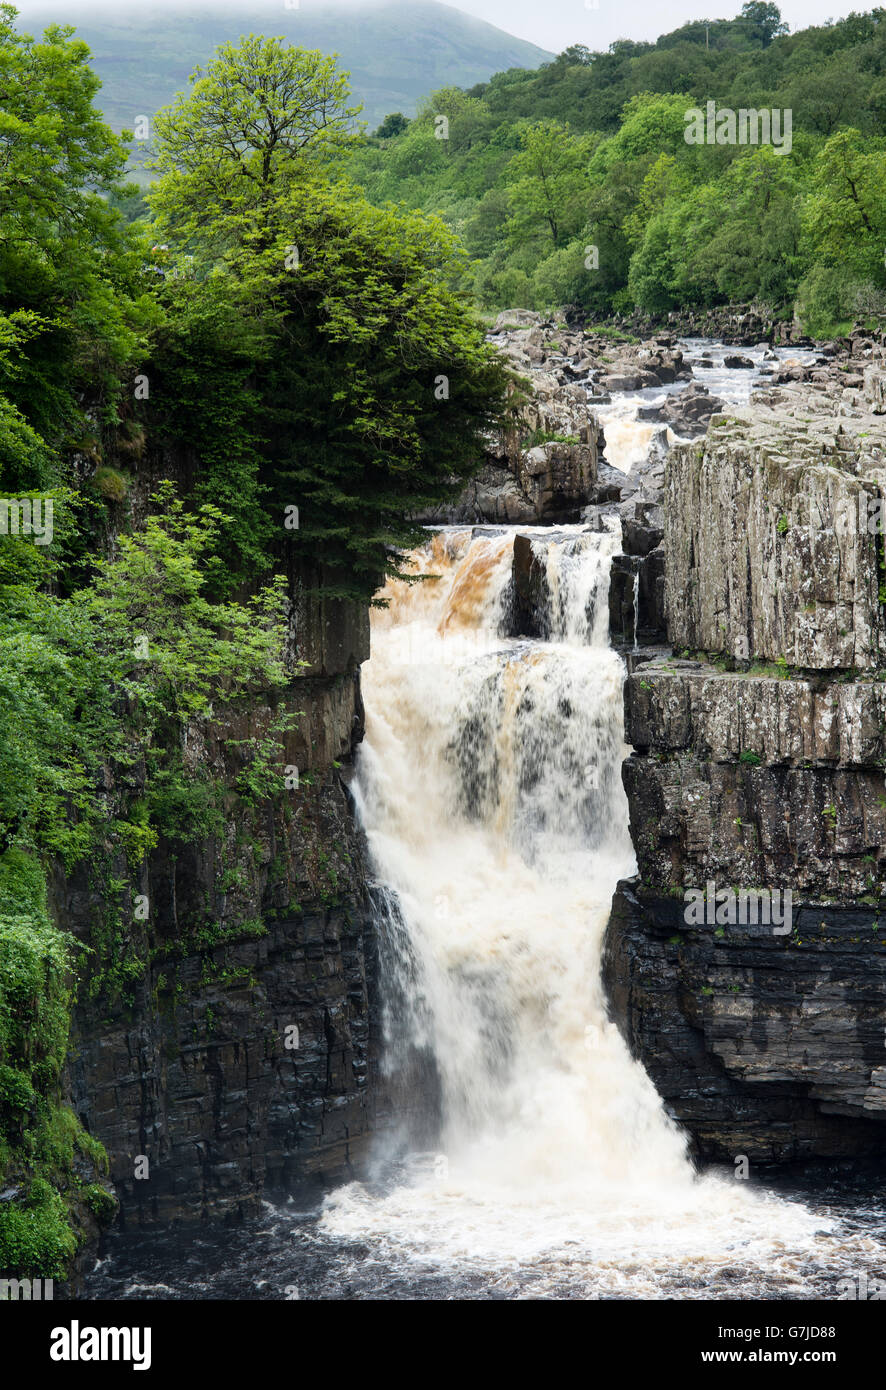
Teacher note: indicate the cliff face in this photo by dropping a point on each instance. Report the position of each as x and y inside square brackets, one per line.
[769, 551]
[224, 1041]
[759, 766]
[234, 1057]
[757, 1038]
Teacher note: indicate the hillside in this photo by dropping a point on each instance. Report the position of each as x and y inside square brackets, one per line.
[396, 53]
[574, 183]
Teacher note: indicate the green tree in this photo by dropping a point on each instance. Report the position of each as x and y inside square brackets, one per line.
[143, 638]
[665, 180]
[762, 21]
[67, 268]
[844, 227]
[374, 388]
[738, 237]
[653, 269]
[393, 124]
[547, 184]
[261, 115]
[468, 120]
[577, 53]
[845, 215]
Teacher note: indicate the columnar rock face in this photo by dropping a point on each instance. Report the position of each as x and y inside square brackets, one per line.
[774, 720]
[769, 549]
[762, 1046]
[757, 1031]
[236, 1057]
[746, 963]
[757, 782]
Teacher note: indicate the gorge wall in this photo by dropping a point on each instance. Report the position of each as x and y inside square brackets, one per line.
[758, 764]
[221, 1043]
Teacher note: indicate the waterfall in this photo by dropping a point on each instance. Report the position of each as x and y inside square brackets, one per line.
[489, 788]
[628, 439]
[576, 569]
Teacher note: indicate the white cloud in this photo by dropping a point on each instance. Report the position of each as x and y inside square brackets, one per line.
[553, 24]
[557, 23]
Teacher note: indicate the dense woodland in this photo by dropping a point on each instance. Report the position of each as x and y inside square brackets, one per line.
[590, 150]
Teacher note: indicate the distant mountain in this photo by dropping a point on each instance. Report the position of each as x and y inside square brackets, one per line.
[396, 52]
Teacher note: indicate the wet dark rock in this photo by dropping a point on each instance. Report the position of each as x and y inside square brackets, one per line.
[529, 590]
[609, 486]
[639, 533]
[640, 578]
[766, 1046]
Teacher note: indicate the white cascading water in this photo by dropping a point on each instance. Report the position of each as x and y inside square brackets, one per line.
[628, 440]
[489, 788]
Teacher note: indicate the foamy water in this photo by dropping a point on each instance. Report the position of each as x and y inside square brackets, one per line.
[489, 788]
[628, 438]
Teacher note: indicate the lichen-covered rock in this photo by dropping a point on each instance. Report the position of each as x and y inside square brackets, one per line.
[672, 704]
[771, 550]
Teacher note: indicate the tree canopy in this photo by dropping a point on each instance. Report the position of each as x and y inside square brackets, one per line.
[369, 395]
[589, 152]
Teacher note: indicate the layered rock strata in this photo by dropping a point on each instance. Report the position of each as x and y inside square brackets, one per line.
[757, 788]
[235, 1060]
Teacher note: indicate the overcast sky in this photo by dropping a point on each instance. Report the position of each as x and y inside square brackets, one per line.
[556, 23]
[553, 24]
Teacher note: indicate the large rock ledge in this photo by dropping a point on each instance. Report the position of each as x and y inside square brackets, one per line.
[771, 1047]
[673, 704]
[756, 782]
[769, 550]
